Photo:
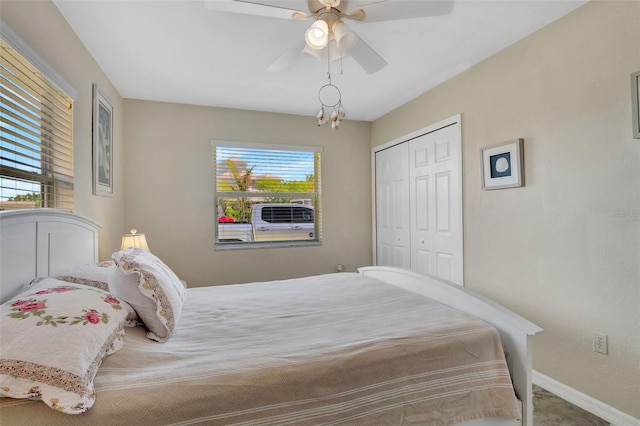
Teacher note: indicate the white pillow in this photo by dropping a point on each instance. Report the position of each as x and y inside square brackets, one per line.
[92, 274]
[151, 288]
[54, 338]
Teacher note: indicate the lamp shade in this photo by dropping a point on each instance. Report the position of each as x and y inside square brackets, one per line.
[317, 36]
[345, 38]
[134, 240]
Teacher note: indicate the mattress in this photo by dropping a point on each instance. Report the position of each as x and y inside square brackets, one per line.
[329, 349]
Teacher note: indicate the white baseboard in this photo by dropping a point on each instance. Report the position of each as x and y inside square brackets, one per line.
[592, 405]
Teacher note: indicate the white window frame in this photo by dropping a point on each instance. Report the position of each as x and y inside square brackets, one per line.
[317, 196]
[49, 179]
[20, 46]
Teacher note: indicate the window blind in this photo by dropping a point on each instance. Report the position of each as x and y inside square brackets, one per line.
[267, 194]
[36, 145]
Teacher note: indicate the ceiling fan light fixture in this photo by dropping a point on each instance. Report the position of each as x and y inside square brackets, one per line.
[317, 36]
[345, 38]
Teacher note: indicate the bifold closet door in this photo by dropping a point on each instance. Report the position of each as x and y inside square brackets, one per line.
[392, 207]
[436, 204]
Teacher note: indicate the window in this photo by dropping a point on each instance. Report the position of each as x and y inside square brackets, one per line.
[266, 195]
[36, 147]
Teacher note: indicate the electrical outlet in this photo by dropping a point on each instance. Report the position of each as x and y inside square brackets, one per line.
[600, 343]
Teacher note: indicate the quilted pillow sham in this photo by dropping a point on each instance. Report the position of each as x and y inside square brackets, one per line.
[92, 274]
[151, 288]
[54, 337]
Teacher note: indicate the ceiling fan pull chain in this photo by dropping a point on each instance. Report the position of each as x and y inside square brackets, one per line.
[330, 97]
[329, 62]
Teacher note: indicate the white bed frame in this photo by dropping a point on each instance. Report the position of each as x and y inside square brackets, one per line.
[45, 242]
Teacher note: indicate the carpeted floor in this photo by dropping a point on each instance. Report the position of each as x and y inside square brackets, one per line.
[550, 410]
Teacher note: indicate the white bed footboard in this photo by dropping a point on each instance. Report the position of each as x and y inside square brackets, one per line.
[515, 332]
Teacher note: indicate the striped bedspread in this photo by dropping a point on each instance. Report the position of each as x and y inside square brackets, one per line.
[331, 349]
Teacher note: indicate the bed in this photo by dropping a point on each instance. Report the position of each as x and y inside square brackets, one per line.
[381, 346]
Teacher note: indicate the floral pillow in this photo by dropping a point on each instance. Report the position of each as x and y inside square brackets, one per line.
[151, 288]
[92, 274]
[54, 337]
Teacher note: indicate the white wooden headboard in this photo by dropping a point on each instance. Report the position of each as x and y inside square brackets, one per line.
[42, 242]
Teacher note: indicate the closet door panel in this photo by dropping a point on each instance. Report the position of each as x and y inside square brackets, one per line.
[392, 207]
[443, 202]
[421, 197]
[384, 249]
[436, 204]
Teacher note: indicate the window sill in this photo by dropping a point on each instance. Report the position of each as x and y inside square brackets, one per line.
[265, 245]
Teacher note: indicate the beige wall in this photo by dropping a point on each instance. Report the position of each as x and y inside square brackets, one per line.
[44, 29]
[564, 251]
[169, 192]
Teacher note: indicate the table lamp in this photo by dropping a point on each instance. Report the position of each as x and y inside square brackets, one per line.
[134, 240]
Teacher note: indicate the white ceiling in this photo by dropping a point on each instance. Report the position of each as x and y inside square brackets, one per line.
[181, 51]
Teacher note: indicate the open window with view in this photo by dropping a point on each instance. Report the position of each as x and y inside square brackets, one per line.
[266, 195]
[36, 147]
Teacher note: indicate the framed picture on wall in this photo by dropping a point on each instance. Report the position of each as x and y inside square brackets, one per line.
[102, 144]
[635, 103]
[503, 165]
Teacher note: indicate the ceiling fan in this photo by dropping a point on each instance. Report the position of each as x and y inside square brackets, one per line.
[328, 28]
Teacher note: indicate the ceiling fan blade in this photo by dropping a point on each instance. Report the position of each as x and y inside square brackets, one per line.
[287, 58]
[368, 59]
[255, 8]
[391, 10]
